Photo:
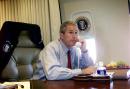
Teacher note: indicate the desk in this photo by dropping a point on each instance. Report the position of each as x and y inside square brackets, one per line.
[71, 84]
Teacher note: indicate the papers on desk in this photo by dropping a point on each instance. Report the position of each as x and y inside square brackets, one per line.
[15, 85]
[95, 77]
[107, 74]
[120, 73]
[2, 86]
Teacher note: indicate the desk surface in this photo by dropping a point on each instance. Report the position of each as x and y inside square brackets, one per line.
[71, 84]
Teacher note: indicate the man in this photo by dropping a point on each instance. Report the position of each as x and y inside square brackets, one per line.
[54, 57]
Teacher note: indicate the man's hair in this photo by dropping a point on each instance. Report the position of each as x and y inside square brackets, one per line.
[65, 24]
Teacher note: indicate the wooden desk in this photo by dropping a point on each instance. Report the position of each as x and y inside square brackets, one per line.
[71, 84]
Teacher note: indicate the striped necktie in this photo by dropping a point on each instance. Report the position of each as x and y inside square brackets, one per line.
[69, 59]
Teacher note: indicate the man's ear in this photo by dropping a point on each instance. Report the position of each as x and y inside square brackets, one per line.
[61, 35]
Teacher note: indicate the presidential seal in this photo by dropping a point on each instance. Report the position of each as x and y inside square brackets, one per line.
[83, 23]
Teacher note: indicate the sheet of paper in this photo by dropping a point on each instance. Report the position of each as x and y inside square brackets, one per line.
[107, 74]
[3, 86]
[25, 84]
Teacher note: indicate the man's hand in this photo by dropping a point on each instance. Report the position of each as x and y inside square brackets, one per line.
[83, 45]
[89, 70]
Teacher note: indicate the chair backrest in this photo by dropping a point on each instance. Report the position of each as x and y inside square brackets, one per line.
[21, 65]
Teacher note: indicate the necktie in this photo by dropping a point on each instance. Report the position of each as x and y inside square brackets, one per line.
[69, 59]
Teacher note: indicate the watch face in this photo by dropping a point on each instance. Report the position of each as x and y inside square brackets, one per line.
[83, 24]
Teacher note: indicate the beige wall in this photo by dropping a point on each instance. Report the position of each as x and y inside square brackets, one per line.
[111, 21]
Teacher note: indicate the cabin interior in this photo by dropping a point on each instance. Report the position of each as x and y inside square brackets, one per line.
[108, 22]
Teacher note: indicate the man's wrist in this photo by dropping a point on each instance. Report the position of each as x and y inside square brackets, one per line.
[83, 71]
[84, 51]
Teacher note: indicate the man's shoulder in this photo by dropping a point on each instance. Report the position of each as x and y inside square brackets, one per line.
[52, 46]
[54, 43]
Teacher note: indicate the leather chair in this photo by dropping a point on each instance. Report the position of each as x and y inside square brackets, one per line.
[22, 63]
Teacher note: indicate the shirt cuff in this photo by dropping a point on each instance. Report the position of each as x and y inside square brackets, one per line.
[76, 72]
[84, 51]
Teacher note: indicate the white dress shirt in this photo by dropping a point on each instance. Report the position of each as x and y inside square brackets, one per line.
[54, 61]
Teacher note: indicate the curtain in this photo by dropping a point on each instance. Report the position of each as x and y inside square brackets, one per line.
[55, 18]
[45, 13]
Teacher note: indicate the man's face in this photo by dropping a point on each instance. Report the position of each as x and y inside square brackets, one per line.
[70, 37]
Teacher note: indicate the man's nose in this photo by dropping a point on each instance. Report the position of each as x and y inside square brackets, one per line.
[76, 38]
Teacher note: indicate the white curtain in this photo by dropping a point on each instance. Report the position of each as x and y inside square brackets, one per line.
[55, 18]
[45, 13]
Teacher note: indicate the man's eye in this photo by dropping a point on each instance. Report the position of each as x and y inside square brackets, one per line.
[76, 32]
[71, 32]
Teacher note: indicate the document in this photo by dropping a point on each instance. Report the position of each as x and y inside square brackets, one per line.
[95, 77]
[15, 85]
